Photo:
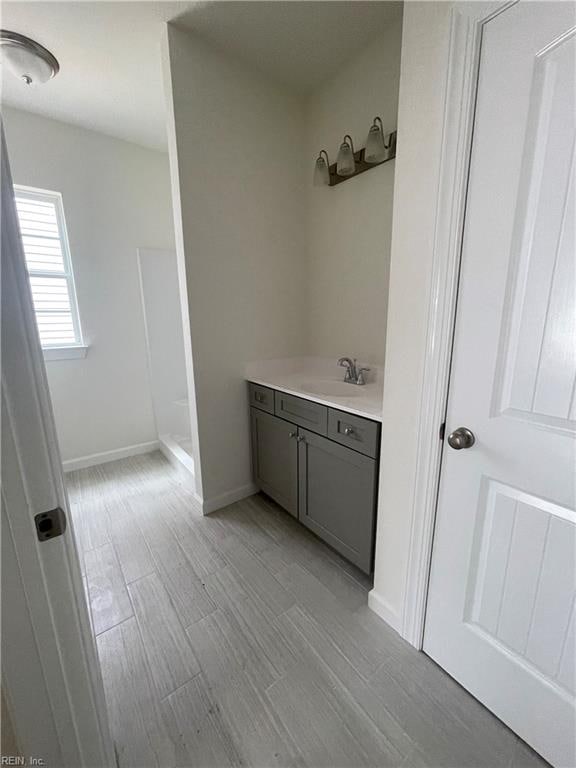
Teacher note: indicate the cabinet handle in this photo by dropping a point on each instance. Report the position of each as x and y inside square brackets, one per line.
[348, 431]
[300, 438]
[292, 434]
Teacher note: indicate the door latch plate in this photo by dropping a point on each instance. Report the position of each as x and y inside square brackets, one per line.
[50, 524]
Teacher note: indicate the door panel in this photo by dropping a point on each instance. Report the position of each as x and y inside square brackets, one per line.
[337, 496]
[500, 613]
[520, 596]
[275, 458]
[538, 370]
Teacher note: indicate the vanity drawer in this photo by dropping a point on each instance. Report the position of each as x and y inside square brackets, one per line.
[305, 413]
[355, 432]
[261, 397]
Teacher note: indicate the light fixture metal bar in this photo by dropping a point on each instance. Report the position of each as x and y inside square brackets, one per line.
[361, 165]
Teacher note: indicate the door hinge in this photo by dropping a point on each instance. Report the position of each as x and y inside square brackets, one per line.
[50, 524]
[442, 430]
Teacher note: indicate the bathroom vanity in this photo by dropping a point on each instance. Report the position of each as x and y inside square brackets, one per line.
[319, 461]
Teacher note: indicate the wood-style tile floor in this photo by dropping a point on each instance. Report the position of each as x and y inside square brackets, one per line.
[239, 639]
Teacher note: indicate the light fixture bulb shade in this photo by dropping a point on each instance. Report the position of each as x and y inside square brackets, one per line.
[375, 151]
[26, 58]
[345, 165]
[321, 172]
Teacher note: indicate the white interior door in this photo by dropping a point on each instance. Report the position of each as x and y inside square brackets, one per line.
[50, 674]
[501, 616]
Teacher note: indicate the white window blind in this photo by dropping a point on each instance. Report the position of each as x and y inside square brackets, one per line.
[43, 230]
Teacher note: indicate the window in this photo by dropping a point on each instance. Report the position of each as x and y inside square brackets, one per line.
[47, 254]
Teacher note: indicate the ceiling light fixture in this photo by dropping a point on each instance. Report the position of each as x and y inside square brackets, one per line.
[26, 58]
[379, 149]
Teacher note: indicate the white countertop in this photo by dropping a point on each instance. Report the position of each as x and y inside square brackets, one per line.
[321, 381]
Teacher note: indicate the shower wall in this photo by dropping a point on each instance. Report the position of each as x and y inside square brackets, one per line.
[165, 343]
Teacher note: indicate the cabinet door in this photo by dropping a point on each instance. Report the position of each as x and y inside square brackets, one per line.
[337, 495]
[275, 458]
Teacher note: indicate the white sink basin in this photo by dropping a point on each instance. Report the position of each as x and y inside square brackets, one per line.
[330, 388]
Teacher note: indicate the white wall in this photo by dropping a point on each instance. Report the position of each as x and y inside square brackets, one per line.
[116, 198]
[420, 121]
[236, 155]
[350, 225]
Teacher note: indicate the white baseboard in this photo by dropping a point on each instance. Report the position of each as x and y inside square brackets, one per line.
[383, 609]
[103, 458]
[224, 499]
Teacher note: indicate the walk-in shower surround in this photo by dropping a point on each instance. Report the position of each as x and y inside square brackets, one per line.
[271, 273]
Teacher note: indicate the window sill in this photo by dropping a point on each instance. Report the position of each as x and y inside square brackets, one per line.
[64, 353]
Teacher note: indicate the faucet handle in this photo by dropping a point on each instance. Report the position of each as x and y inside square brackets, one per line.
[360, 378]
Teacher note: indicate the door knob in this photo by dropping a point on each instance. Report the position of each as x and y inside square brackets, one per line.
[461, 438]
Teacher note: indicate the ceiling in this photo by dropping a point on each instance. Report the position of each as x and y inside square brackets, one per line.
[110, 76]
[298, 44]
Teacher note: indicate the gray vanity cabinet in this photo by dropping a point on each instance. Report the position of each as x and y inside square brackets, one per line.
[337, 489]
[320, 464]
[275, 458]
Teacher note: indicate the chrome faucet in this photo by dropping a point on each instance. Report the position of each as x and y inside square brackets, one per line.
[353, 374]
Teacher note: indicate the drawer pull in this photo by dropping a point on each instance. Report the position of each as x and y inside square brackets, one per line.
[259, 397]
[348, 431]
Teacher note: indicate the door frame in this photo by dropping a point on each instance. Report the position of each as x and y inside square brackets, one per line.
[64, 675]
[467, 22]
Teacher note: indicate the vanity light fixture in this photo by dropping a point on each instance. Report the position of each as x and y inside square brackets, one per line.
[27, 59]
[345, 165]
[322, 169]
[349, 163]
[375, 151]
